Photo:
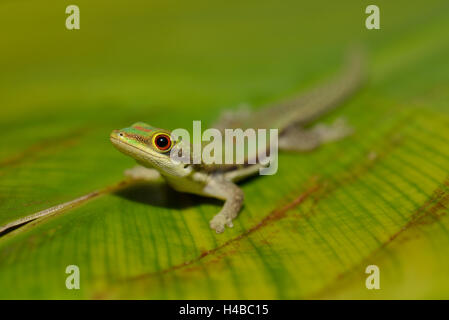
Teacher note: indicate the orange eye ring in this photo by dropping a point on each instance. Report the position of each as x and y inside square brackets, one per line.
[162, 142]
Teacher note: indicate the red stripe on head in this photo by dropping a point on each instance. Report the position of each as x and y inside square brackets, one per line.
[143, 129]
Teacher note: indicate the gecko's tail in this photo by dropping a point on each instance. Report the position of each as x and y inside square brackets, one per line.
[345, 84]
[309, 106]
[306, 107]
[354, 74]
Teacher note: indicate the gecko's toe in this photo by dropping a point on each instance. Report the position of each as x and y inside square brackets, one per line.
[218, 223]
[218, 228]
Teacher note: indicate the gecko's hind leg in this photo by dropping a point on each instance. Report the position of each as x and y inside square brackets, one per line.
[243, 173]
[300, 139]
[233, 196]
[142, 173]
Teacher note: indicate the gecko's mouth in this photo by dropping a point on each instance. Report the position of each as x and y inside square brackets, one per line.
[124, 146]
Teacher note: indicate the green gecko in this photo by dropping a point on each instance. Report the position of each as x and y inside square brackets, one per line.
[150, 146]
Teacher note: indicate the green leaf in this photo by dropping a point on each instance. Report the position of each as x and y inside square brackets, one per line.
[378, 197]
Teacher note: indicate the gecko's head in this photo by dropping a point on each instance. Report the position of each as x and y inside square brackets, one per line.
[148, 145]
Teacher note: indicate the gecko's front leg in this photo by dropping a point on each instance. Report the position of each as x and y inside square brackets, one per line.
[233, 196]
[142, 173]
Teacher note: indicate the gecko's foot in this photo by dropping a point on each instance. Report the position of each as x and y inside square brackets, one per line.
[334, 132]
[219, 222]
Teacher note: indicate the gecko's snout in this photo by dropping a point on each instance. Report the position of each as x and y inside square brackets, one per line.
[115, 135]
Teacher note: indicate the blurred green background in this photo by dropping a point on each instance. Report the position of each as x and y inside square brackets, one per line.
[383, 192]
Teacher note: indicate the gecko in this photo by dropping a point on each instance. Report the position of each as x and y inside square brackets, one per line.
[150, 146]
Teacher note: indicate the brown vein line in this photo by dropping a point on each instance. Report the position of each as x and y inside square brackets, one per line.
[430, 209]
[274, 215]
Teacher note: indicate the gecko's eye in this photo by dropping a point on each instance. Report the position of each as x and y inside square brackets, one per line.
[120, 134]
[162, 142]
